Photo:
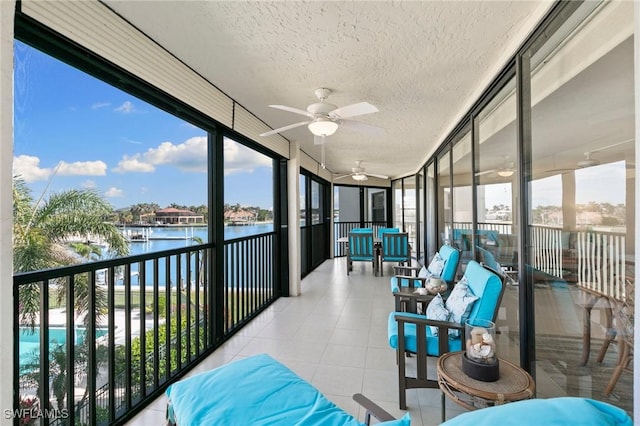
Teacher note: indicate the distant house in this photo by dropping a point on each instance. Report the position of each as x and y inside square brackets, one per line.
[239, 217]
[148, 217]
[173, 216]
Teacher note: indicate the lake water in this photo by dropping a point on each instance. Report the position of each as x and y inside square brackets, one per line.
[182, 236]
[178, 237]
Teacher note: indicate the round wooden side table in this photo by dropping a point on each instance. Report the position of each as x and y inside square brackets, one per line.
[514, 384]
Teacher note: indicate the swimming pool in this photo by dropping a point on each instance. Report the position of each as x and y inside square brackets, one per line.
[30, 340]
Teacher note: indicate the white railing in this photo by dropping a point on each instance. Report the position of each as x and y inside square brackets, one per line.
[602, 262]
[597, 259]
[546, 250]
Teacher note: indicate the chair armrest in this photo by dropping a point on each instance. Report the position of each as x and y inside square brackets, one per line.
[373, 409]
[421, 324]
[406, 269]
[410, 277]
[421, 319]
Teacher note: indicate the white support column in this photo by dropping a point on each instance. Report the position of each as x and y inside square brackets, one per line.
[293, 176]
[7, 8]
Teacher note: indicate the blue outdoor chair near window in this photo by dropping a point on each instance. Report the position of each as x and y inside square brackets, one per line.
[383, 230]
[395, 248]
[443, 265]
[361, 249]
[477, 296]
[362, 230]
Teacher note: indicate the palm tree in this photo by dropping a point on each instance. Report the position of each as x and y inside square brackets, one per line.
[40, 232]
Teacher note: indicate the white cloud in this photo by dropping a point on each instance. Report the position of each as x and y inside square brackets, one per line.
[99, 105]
[28, 168]
[125, 108]
[190, 156]
[133, 164]
[88, 184]
[240, 159]
[82, 168]
[114, 192]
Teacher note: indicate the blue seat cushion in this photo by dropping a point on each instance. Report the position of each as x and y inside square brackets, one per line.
[411, 340]
[553, 411]
[396, 258]
[253, 391]
[361, 258]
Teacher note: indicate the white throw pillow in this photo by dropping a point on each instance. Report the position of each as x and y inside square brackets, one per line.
[424, 273]
[460, 301]
[437, 311]
[437, 265]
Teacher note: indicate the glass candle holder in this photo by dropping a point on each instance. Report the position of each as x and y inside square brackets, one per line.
[481, 341]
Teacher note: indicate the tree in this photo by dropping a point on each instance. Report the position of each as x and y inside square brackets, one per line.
[41, 230]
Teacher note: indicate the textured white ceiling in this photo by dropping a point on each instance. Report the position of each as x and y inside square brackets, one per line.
[421, 63]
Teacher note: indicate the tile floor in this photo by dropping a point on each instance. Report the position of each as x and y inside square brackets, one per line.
[335, 336]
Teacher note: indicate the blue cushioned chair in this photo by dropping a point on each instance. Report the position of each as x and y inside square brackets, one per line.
[383, 230]
[361, 249]
[395, 248]
[409, 333]
[406, 275]
[362, 230]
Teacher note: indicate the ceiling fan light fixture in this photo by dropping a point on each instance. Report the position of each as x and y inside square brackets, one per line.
[505, 173]
[359, 177]
[323, 127]
[589, 162]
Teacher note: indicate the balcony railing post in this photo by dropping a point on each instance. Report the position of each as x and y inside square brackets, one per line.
[133, 373]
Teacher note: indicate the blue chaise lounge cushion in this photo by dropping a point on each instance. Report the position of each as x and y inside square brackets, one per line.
[553, 411]
[253, 391]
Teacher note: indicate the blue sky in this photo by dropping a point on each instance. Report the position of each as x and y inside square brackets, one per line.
[72, 130]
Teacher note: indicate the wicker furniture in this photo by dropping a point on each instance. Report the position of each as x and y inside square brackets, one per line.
[514, 384]
[623, 311]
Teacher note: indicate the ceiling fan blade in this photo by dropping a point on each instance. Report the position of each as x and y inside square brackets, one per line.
[560, 171]
[319, 140]
[342, 176]
[362, 127]
[486, 172]
[353, 110]
[282, 129]
[376, 176]
[294, 110]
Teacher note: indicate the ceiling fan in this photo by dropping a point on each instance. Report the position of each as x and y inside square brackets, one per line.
[358, 173]
[325, 118]
[506, 170]
[588, 161]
